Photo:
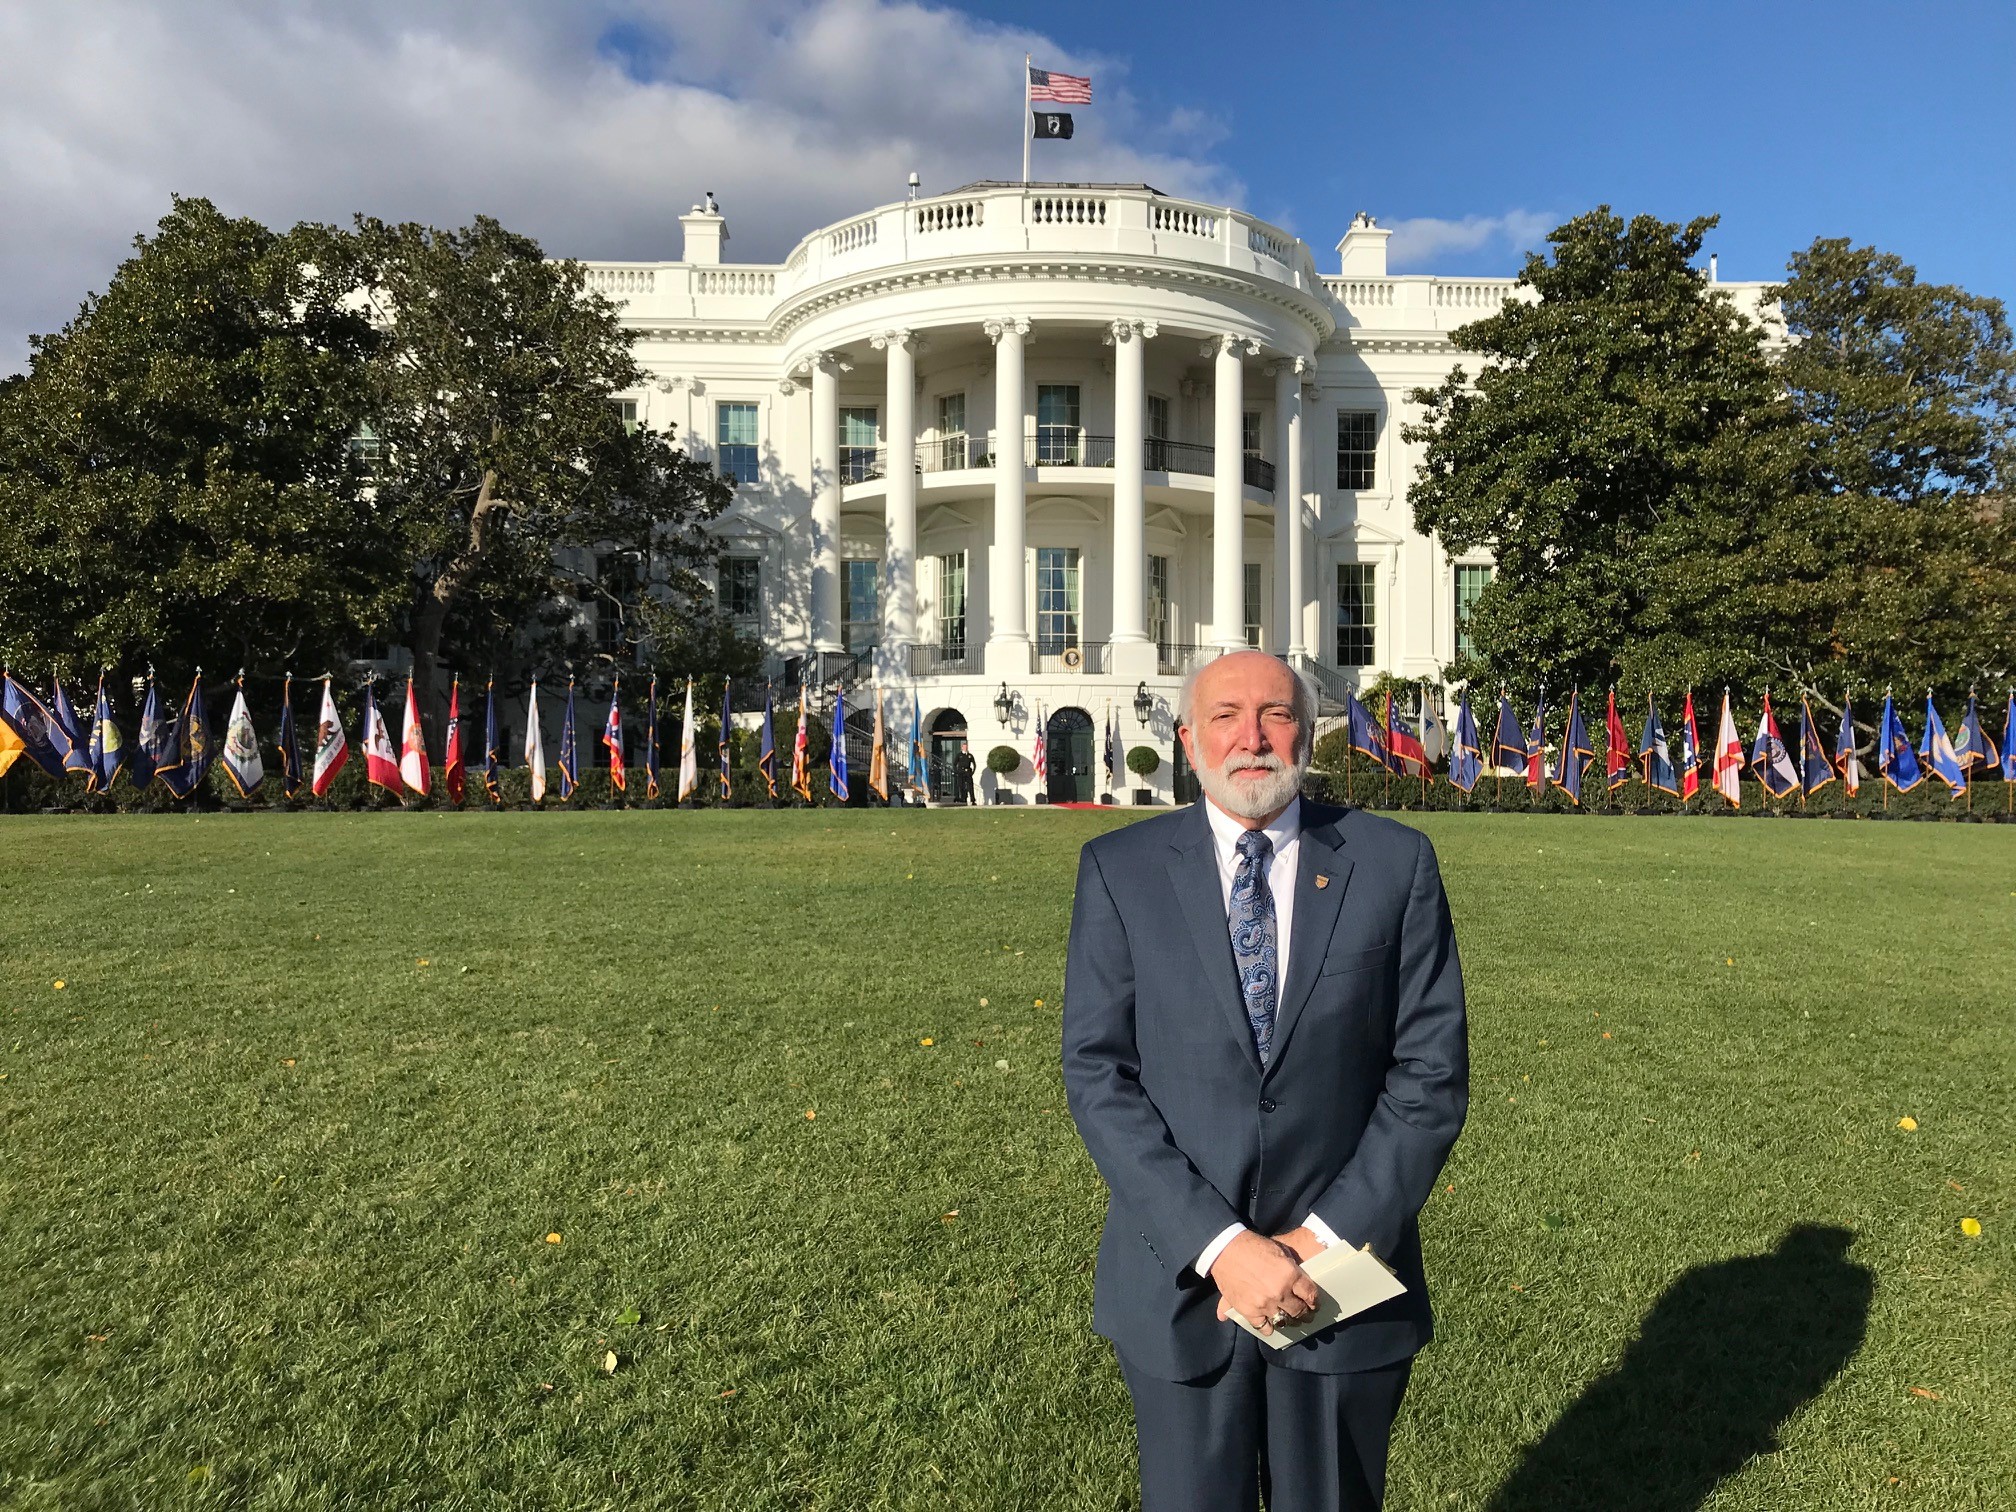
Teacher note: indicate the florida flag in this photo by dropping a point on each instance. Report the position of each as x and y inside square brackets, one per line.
[1726, 762]
[413, 769]
[381, 766]
[332, 748]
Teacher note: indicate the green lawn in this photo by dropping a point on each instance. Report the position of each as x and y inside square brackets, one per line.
[280, 1160]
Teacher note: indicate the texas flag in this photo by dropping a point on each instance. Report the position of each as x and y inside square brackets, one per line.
[332, 747]
[413, 769]
[1727, 759]
[381, 766]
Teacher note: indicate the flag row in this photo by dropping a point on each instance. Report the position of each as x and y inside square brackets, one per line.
[1408, 750]
[177, 746]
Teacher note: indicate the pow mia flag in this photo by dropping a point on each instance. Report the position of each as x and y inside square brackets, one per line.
[1055, 124]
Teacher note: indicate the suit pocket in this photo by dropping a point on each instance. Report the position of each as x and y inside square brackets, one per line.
[1356, 960]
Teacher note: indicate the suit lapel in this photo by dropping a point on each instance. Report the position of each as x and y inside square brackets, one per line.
[1193, 872]
[1320, 856]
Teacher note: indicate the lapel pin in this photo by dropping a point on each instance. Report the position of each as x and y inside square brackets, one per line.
[1322, 879]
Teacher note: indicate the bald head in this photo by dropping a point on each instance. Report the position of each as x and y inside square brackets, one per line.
[1250, 676]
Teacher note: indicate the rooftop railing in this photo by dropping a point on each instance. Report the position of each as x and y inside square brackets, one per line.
[1051, 446]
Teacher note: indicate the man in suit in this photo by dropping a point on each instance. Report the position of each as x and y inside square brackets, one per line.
[1265, 1052]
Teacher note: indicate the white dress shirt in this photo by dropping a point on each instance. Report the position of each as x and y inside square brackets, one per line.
[1286, 834]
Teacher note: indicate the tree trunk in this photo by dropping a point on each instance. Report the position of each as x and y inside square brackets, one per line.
[430, 615]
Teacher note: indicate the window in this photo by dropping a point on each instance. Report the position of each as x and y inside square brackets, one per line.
[626, 409]
[1158, 418]
[951, 431]
[952, 605]
[617, 577]
[367, 450]
[1355, 614]
[742, 592]
[1357, 448]
[858, 454]
[735, 442]
[1251, 602]
[1470, 583]
[1249, 433]
[1158, 604]
[1056, 599]
[860, 604]
[1057, 423]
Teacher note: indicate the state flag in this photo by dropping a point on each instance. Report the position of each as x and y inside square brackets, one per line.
[612, 738]
[1508, 742]
[193, 745]
[651, 742]
[689, 766]
[73, 743]
[766, 754]
[801, 752]
[1815, 769]
[1846, 761]
[1659, 773]
[1726, 761]
[1571, 764]
[30, 729]
[1894, 757]
[453, 776]
[2009, 739]
[1972, 744]
[108, 750]
[1434, 734]
[878, 755]
[332, 749]
[724, 748]
[292, 776]
[836, 757]
[1769, 758]
[1365, 736]
[570, 750]
[381, 763]
[1403, 749]
[1937, 749]
[535, 746]
[413, 768]
[493, 746]
[242, 761]
[1466, 758]
[1616, 747]
[1536, 745]
[1690, 751]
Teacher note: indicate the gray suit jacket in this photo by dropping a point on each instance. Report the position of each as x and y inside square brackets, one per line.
[1352, 1119]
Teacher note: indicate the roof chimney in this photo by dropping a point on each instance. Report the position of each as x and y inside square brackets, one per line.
[1362, 252]
[1711, 267]
[706, 231]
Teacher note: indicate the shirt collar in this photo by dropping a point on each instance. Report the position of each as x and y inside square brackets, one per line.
[1285, 829]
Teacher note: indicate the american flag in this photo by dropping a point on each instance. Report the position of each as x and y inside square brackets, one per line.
[1063, 89]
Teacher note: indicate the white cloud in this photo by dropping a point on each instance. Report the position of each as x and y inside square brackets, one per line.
[1424, 238]
[591, 126]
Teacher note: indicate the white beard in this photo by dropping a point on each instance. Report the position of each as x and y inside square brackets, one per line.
[1255, 799]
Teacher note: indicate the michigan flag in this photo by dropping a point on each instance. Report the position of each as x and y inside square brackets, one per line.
[1466, 760]
[1659, 773]
[1894, 757]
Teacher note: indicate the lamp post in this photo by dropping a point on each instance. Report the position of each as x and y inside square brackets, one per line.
[1004, 705]
[1144, 705]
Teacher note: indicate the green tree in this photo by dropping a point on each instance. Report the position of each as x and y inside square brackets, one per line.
[508, 476]
[176, 478]
[1618, 391]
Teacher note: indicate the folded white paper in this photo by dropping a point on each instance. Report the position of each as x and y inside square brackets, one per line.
[1347, 1282]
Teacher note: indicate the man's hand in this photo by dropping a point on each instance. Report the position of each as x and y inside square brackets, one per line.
[1304, 1243]
[1259, 1276]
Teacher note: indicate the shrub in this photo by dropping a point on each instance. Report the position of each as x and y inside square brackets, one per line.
[1003, 759]
[1144, 761]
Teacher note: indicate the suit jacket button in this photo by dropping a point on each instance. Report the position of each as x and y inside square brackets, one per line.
[1266, 1105]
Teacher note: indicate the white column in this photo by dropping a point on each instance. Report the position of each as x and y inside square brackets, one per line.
[899, 548]
[1008, 637]
[1228, 492]
[825, 373]
[1131, 655]
[1299, 521]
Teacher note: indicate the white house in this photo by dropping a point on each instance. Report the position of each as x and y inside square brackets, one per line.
[1024, 447]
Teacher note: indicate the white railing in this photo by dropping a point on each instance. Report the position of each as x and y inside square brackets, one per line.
[795, 264]
[950, 215]
[1471, 296]
[622, 282]
[1067, 210]
[1365, 293]
[853, 235]
[1268, 244]
[733, 281]
[1187, 222]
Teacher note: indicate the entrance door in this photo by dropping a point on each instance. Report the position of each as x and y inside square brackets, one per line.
[1183, 779]
[1068, 755]
[948, 733]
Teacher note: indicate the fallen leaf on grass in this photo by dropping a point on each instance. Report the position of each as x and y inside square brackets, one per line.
[57, 984]
[552, 1238]
[730, 1391]
[609, 1363]
[948, 1217]
[287, 1062]
[1920, 1391]
[810, 1114]
[1907, 1123]
[1606, 1034]
[630, 1317]
[99, 1338]
[1971, 1227]
[1956, 1186]
[1000, 1065]
[926, 1042]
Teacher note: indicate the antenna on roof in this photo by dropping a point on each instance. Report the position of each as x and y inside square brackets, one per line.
[914, 181]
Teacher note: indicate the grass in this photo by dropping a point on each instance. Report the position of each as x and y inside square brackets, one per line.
[283, 1156]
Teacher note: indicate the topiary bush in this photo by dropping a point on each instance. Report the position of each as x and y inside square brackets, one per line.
[1144, 761]
[1003, 759]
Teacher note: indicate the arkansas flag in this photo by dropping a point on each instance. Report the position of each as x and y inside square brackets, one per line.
[381, 767]
[413, 746]
[452, 776]
[332, 748]
[1728, 763]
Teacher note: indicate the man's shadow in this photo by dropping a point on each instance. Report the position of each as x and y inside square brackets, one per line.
[1724, 1357]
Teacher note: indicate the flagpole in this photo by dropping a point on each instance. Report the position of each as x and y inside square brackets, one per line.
[1027, 133]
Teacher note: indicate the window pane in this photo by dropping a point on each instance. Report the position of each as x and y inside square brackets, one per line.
[860, 609]
[1249, 432]
[627, 409]
[735, 442]
[952, 415]
[1471, 581]
[1252, 602]
[952, 605]
[1057, 423]
[1158, 603]
[858, 459]
[1056, 599]
[1158, 418]
[1357, 448]
[1355, 614]
[741, 591]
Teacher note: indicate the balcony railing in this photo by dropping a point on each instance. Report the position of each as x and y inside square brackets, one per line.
[1050, 446]
[935, 661]
[1071, 657]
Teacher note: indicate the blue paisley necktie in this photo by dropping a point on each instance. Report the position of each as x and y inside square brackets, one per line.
[1254, 946]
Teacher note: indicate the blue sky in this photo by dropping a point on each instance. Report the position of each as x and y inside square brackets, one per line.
[592, 124]
[1893, 125]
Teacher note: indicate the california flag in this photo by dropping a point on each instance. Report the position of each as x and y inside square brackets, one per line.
[331, 748]
[381, 767]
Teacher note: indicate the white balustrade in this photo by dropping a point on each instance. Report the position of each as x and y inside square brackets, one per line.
[950, 215]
